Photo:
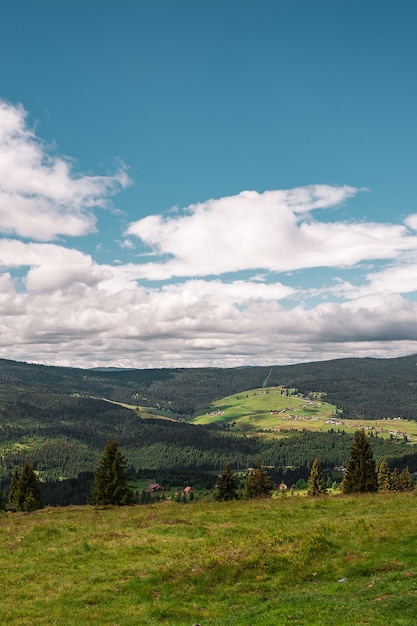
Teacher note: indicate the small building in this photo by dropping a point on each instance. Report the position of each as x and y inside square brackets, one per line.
[187, 490]
[154, 487]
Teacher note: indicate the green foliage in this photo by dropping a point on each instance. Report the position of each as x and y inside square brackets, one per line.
[406, 480]
[258, 484]
[301, 483]
[24, 492]
[316, 485]
[110, 479]
[226, 488]
[384, 477]
[402, 481]
[54, 418]
[361, 470]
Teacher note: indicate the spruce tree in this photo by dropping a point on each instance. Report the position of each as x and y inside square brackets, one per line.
[395, 480]
[226, 485]
[24, 492]
[360, 475]
[14, 488]
[315, 485]
[406, 480]
[258, 484]
[110, 478]
[384, 477]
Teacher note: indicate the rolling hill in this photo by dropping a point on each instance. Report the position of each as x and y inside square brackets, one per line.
[60, 418]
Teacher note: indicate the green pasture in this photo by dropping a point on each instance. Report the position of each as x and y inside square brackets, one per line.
[267, 409]
[345, 560]
[145, 412]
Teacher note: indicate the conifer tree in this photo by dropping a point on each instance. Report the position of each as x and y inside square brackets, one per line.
[316, 485]
[258, 484]
[226, 485]
[24, 492]
[361, 475]
[14, 487]
[110, 478]
[395, 480]
[406, 480]
[384, 477]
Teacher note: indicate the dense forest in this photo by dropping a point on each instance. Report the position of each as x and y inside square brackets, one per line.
[58, 418]
[371, 388]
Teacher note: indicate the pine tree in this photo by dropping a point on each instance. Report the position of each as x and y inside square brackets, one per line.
[395, 480]
[24, 492]
[226, 485]
[14, 488]
[110, 478]
[361, 475]
[406, 480]
[384, 477]
[315, 485]
[258, 484]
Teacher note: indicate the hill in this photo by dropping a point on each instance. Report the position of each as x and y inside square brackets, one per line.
[368, 388]
[59, 419]
[339, 560]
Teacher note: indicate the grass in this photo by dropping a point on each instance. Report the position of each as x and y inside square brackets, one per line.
[343, 560]
[251, 411]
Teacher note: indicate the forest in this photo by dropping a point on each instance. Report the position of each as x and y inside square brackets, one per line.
[59, 419]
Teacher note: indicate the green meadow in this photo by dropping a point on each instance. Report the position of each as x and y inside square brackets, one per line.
[289, 560]
[267, 409]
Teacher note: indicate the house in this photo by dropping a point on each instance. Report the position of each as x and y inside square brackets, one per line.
[187, 490]
[154, 487]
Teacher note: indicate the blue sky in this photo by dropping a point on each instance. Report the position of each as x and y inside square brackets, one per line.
[189, 183]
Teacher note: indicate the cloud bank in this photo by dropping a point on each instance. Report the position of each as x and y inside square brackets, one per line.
[255, 278]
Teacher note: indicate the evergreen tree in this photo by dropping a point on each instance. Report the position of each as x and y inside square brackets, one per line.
[395, 480]
[258, 484]
[361, 475]
[315, 485]
[24, 492]
[110, 478]
[226, 485]
[14, 488]
[406, 480]
[384, 477]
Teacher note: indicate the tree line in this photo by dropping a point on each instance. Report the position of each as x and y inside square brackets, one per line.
[111, 479]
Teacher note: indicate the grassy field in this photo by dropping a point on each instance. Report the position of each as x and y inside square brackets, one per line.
[315, 562]
[267, 409]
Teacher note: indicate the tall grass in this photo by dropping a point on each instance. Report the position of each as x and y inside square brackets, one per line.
[331, 561]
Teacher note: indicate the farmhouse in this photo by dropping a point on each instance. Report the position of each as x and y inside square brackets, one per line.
[154, 487]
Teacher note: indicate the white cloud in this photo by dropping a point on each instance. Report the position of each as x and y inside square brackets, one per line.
[411, 221]
[270, 231]
[40, 198]
[58, 305]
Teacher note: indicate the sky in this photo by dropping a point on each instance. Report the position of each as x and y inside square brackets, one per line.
[189, 183]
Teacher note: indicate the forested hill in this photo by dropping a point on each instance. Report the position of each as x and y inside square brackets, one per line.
[372, 388]
[56, 418]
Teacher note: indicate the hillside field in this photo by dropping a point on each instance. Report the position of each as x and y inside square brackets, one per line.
[270, 409]
[343, 560]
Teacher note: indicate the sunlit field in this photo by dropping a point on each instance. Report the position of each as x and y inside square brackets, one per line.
[288, 560]
[270, 409]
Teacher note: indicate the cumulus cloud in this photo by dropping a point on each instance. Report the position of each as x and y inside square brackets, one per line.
[198, 323]
[272, 231]
[255, 278]
[40, 197]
